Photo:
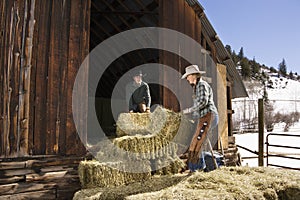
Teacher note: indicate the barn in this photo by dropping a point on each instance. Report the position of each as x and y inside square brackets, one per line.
[43, 47]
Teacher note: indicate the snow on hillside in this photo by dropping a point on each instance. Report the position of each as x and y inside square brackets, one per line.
[285, 95]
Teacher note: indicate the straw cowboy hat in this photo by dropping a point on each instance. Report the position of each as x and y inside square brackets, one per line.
[192, 69]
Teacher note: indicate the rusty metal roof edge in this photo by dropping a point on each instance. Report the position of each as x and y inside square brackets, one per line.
[239, 87]
[194, 2]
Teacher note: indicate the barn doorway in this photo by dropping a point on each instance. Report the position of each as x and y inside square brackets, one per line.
[108, 18]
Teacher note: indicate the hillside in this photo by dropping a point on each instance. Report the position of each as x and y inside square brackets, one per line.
[286, 94]
[282, 102]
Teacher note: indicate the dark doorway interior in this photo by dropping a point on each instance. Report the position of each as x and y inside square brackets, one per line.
[108, 18]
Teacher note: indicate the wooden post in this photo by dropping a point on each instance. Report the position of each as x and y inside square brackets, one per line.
[260, 132]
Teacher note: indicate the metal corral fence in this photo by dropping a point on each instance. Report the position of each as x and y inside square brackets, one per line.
[245, 117]
[279, 150]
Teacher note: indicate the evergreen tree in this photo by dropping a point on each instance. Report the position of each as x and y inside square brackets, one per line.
[235, 57]
[255, 67]
[246, 71]
[282, 67]
[272, 69]
[228, 48]
[291, 75]
[241, 53]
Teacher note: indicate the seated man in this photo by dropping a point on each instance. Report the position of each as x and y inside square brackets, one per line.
[138, 94]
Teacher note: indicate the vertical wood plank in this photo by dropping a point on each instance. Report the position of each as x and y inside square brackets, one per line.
[22, 140]
[27, 74]
[2, 39]
[84, 52]
[16, 78]
[41, 75]
[76, 41]
[52, 110]
[5, 85]
[222, 105]
[9, 37]
[63, 96]
[169, 18]
[14, 75]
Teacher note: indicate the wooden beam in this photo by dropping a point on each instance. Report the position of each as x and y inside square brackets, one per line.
[113, 10]
[146, 9]
[126, 13]
[136, 19]
[100, 26]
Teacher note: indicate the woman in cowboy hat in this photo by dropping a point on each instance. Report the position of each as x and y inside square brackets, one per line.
[138, 94]
[203, 107]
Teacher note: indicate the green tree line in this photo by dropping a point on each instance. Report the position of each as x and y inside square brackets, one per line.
[250, 68]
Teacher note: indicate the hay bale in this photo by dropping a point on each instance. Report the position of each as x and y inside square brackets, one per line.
[96, 174]
[107, 174]
[161, 121]
[133, 124]
[152, 133]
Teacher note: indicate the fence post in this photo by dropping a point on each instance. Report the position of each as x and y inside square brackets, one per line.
[260, 132]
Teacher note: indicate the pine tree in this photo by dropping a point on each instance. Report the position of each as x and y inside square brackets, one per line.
[254, 68]
[241, 53]
[282, 67]
[235, 57]
[272, 69]
[228, 48]
[246, 71]
[291, 75]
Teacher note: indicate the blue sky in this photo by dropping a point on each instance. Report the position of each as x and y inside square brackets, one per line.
[268, 30]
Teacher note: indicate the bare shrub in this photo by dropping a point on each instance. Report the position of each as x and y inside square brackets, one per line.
[288, 119]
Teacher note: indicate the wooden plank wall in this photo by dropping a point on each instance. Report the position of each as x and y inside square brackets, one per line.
[39, 177]
[60, 43]
[179, 16]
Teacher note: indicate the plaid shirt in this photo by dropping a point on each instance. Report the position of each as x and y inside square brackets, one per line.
[202, 100]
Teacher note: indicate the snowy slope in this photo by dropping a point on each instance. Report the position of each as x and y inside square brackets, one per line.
[285, 95]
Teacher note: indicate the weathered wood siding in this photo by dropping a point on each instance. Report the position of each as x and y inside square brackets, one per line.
[43, 44]
[179, 16]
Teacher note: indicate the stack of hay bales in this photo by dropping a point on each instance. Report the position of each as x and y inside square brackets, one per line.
[147, 144]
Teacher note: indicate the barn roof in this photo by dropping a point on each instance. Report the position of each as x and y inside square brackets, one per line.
[223, 56]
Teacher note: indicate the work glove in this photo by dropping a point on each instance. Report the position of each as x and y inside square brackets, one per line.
[186, 111]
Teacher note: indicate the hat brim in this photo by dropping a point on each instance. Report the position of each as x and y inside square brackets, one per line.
[141, 75]
[186, 74]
